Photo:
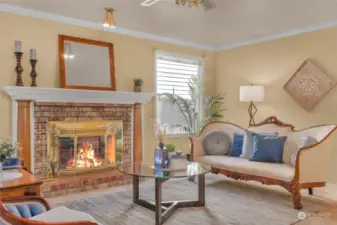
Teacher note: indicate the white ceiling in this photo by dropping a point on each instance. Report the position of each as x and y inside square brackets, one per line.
[231, 23]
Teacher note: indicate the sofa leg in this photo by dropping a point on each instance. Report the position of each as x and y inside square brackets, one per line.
[296, 195]
[311, 191]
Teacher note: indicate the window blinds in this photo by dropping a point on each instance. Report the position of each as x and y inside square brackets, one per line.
[172, 75]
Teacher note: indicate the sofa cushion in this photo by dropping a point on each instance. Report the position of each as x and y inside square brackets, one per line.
[304, 142]
[277, 171]
[247, 147]
[68, 215]
[268, 148]
[236, 149]
[216, 143]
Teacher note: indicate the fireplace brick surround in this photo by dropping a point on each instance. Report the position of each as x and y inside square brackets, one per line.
[45, 111]
[33, 108]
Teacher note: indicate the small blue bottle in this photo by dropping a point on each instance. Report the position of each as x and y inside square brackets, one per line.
[161, 157]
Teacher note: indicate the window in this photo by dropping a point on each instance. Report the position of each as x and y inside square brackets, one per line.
[173, 73]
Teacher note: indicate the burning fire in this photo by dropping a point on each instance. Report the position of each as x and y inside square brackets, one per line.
[85, 158]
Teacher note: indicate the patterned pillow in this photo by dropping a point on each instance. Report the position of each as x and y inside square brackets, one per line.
[304, 142]
[216, 143]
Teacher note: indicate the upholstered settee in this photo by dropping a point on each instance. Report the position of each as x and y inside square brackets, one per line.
[310, 167]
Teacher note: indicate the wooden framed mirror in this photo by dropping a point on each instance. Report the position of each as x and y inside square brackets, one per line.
[86, 64]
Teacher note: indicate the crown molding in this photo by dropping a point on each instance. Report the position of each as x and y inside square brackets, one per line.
[96, 26]
[289, 33]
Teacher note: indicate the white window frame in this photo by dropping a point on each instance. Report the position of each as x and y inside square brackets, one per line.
[201, 74]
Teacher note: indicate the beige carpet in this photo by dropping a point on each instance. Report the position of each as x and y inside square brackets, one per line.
[228, 202]
[326, 218]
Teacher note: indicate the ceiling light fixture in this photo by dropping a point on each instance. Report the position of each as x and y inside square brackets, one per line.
[191, 3]
[109, 20]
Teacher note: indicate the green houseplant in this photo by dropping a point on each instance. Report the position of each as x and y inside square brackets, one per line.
[170, 147]
[211, 106]
[138, 83]
[7, 149]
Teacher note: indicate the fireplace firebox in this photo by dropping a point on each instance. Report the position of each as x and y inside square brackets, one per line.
[81, 146]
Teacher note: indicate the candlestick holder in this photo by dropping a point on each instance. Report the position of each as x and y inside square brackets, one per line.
[33, 73]
[18, 68]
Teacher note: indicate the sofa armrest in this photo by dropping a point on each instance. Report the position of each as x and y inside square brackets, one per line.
[312, 162]
[197, 148]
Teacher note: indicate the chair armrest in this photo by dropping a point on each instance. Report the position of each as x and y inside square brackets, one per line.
[312, 162]
[23, 199]
[10, 218]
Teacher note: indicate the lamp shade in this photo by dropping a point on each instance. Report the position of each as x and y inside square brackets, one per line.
[251, 93]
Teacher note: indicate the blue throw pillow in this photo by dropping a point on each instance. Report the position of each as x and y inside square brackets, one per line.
[247, 147]
[268, 148]
[236, 145]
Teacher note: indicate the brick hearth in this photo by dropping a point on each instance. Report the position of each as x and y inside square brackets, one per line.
[44, 112]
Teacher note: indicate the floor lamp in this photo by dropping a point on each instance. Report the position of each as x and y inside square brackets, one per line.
[251, 94]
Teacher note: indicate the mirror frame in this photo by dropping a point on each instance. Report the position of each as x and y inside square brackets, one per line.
[62, 39]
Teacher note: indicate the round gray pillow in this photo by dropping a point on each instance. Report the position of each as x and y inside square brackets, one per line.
[217, 143]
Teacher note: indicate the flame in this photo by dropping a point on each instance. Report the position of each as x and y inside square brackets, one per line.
[85, 158]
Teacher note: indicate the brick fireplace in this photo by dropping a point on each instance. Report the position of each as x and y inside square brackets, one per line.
[73, 139]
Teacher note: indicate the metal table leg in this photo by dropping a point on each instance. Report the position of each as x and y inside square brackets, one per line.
[163, 210]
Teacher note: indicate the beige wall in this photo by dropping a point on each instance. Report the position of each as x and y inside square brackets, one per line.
[272, 64]
[134, 58]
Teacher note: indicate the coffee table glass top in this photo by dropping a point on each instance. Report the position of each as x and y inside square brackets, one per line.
[142, 170]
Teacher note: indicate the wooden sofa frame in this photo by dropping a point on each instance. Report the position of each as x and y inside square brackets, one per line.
[294, 186]
[10, 218]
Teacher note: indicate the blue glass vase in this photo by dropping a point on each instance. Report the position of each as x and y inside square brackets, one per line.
[161, 157]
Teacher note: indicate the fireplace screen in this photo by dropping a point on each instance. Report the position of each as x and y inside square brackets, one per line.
[84, 144]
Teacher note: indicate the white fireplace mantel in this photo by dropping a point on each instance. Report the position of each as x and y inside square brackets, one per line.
[35, 94]
[77, 96]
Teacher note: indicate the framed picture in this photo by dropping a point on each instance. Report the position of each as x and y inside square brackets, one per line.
[309, 85]
[86, 64]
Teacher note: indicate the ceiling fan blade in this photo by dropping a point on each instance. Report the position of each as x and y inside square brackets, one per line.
[149, 2]
[208, 4]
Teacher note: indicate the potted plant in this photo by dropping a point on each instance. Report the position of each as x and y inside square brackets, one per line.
[138, 85]
[7, 149]
[170, 148]
[212, 105]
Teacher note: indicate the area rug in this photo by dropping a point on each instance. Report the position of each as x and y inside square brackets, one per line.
[228, 202]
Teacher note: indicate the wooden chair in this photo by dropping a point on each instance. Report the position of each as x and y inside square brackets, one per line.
[8, 217]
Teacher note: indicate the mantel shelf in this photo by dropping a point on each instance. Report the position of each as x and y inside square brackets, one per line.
[75, 96]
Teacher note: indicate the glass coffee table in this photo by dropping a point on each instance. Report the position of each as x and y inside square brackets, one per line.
[164, 210]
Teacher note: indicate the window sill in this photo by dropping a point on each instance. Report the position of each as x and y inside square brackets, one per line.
[177, 135]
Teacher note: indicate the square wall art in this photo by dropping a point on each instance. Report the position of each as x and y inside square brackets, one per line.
[309, 85]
